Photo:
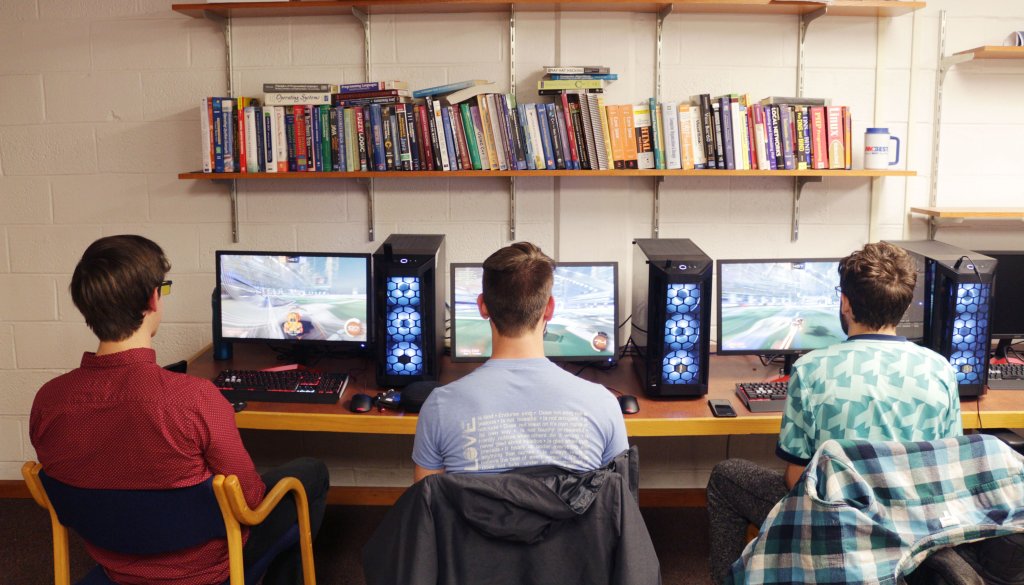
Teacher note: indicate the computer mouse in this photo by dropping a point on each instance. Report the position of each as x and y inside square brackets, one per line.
[239, 406]
[361, 403]
[628, 404]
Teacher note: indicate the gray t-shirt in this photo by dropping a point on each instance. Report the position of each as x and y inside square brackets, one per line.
[517, 413]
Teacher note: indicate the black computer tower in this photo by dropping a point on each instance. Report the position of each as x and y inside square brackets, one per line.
[956, 287]
[409, 294]
[671, 317]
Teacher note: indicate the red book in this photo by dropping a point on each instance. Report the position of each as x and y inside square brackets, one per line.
[420, 147]
[834, 137]
[751, 137]
[338, 97]
[240, 165]
[819, 154]
[428, 147]
[573, 152]
[301, 160]
[459, 130]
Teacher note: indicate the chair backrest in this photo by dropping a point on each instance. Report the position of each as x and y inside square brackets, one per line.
[138, 522]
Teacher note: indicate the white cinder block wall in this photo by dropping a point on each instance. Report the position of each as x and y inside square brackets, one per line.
[98, 112]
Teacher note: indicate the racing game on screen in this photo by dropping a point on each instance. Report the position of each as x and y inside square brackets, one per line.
[583, 325]
[308, 298]
[779, 306]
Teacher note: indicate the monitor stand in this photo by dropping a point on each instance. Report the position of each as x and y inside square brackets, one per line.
[1002, 348]
[787, 367]
[302, 355]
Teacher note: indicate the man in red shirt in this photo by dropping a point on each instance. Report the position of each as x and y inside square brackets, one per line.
[120, 421]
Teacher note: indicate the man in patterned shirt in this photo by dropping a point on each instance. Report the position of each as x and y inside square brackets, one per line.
[122, 422]
[875, 386]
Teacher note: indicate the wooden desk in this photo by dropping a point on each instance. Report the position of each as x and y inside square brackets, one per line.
[657, 418]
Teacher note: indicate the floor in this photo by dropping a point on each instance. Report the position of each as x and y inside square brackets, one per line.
[680, 538]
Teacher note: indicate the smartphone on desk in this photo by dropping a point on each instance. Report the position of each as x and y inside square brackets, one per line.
[721, 408]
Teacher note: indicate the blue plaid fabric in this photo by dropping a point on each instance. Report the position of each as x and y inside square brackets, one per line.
[871, 512]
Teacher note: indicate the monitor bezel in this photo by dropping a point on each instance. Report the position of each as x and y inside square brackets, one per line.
[718, 305]
[322, 343]
[996, 254]
[583, 358]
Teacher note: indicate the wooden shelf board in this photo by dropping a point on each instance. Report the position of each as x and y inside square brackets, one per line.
[995, 52]
[334, 7]
[200, 176]
[971, 212]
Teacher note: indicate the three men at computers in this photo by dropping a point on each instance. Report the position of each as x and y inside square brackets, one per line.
[176, 430]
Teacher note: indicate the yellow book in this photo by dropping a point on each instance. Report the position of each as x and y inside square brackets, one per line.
[606, 132]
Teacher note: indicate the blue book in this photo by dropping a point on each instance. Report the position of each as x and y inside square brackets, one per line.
[341, 163]
[261, 151]
[605, 76]
[506, 116]
[788, 140]
[769, 127]
[414, 145]
[432, 91]
[453, 160]
[545, 136]
[218, 136]
[379, 162]
[527, 142]
[289, 136]
[314, 119]
[806, 114]
[563, 138]
[727, 141]
[268, 138]
[227, 105]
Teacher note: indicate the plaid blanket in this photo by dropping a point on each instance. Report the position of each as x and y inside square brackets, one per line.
[868, 512]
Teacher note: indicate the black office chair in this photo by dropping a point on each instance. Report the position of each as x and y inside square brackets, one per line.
[146, 522]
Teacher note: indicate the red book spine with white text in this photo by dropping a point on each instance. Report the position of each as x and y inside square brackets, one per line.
[819, 152]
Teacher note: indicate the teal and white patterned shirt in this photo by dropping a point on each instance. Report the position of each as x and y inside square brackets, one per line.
[870, 387]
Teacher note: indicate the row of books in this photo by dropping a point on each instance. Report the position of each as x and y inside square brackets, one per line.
[490, 131]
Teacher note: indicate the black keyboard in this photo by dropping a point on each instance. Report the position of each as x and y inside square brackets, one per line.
[283, 386]
[1006, 377]
[763, 396]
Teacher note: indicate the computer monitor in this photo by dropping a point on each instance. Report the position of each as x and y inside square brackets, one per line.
[583, 327]
[1007, 316]
[774, 306]
[300, 298]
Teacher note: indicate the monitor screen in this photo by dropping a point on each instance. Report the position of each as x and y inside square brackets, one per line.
[778, 306]
[293, 297]
[582, 328]
[1007, 316]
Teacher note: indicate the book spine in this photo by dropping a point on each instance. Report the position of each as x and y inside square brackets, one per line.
[771, 138]
[339, 142]
[644, 138]
[325, 138]
[289, 126]
[436, 134]
[375, 139]
[615, 133]
[708, 131]
[470, 133]
[563, 136]
[600, 152]
[206, 134]
[396, 151]
[685, 130]
[606, 132]
[806, 115]
[778, 141]
[551, 121]
[836, 156]
[801, 145]
[786, 123]
[280, 140]
[372, 86]
[415, 148]
[570, 134]
[673, 155]
[515, 129]
[716, 114]
[535, 137]
[440, 89]
[351, 153]
[576, 113]
[738, 133]
[426, 141]
[751, 136]
[404, 152]
[301, 153]
[364, 138]
[390, 93]
[629, 136]
[528, 143]
[588, 131]
[725, 130]
[656, 133]
[485, 124]
[847, 137]
[566, 77]
[389, 137]
[260, 148]
[269, 138]
[229, 122]
[511, 151]
[443, 132]
[296, 99]
[700, 160]
[239, 136]
[311, 153]
[218, 135]
[546, 137]
[296, 88]
[316, 155]
[819, 152]
[570, 84]
[461, 137]
[481, 140]
[489, 117]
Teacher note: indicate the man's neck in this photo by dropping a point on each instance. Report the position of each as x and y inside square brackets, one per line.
[858, 329]
[139, 340]
[530, 345]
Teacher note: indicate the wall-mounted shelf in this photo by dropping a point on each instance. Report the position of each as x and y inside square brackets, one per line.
[200, 176]
[940, 215]
[881, 8]
[993, 52]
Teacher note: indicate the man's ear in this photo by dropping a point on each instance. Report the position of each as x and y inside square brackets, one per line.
[549, 310]
[482, 307]
[154, 300]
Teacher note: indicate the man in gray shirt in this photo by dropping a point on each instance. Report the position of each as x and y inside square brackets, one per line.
[518, 409]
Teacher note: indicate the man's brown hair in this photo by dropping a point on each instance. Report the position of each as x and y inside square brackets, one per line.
[878, 282]
[113, 282]
[517, 285]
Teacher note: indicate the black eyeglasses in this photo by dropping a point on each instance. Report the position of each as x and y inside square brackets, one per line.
[839, 291]
[165, 288]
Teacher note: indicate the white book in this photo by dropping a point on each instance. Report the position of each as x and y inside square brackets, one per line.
[642, 119]
[485, 125]
[700, 160]
[745, 137]
[269, 138]
[588, 131]
[251, 144]
[535, 140]
[206, 138]
[280, 140]
[673, 159]
[442, 142]
[499, 140]
[741, 162]
[296, 99]
[595, 123]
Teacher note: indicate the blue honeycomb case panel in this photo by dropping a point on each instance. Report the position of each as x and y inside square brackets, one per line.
[681, 364]
[969, 348]
[404, 333]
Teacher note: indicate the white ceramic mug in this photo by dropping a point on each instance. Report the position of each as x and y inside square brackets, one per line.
[876, 149]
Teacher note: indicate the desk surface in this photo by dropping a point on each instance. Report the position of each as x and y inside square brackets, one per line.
[657, 418]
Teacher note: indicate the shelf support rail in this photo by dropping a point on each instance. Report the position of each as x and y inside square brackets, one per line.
[798, 188]
[225, 23]
[371, 222]
[945, 64]
[512, 90]
[656, 208]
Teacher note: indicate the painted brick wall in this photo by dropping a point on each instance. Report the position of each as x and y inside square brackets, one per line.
[98, 112]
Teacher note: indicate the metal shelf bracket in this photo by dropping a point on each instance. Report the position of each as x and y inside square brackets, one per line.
[805, 22]
[370, 200]
[798, 188]
[656, 212]
[656, 219]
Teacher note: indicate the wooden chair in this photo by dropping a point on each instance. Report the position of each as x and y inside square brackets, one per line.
[109, 519]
